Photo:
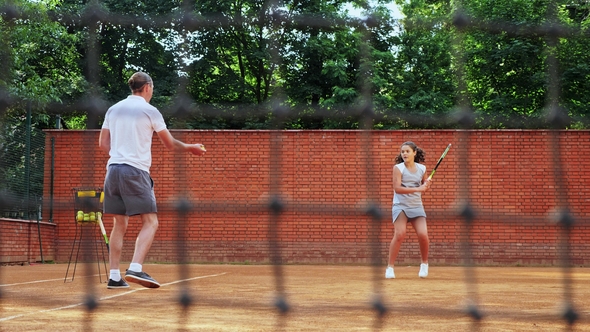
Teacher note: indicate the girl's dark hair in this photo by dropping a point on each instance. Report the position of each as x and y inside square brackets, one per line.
[420, 155]
[138, 80]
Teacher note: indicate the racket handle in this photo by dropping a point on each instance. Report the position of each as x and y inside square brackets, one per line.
[431, 174]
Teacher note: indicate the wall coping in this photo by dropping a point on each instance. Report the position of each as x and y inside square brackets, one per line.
[25, 221]
[343, 130]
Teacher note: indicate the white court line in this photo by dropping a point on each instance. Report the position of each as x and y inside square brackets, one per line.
[105, 298]
[46, 280]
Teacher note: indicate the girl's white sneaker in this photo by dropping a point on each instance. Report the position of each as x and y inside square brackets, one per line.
[389, 273]
[423, 271]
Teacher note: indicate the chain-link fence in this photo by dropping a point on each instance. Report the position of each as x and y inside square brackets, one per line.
[22, 156]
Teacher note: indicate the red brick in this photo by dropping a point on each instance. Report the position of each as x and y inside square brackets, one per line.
[512, 180]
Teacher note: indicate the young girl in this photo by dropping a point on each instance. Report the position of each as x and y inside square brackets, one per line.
[409, 182]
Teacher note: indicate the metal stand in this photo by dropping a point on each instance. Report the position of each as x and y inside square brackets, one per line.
[87, 204]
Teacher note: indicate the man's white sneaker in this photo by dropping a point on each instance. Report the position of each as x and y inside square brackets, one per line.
[389, 273]
[423, 271]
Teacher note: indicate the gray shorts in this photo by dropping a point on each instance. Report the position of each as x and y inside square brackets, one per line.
[128, 191]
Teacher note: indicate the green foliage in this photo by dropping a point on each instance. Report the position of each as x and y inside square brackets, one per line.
[574, 58]
[74, 121]
[309, 63]
[498, 64]
[421, 82]
[44, 62]
[232, 68]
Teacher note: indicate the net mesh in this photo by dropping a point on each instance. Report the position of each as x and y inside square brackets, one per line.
[94, 17]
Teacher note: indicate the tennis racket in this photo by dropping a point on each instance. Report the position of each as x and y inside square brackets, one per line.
[439, 160]
[102, 230]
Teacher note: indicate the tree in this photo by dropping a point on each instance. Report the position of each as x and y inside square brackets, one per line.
[136, 43]
[43, 62]
[320, 66]
[498, 64]
[305, 56]
[422, 85]
[235, 63]
[39, 67]
[232, 71]
[574, 57]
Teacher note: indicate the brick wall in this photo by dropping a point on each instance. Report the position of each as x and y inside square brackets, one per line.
[508, 175]
[20, 241]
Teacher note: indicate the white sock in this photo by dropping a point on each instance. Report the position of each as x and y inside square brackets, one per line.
[135, 267]
[115, 275]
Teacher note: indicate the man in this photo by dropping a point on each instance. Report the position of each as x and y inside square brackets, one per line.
[126, 135]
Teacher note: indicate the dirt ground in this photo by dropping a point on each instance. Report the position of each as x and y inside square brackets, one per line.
[319, 298]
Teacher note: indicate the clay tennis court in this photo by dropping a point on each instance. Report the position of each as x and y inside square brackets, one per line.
[320, 298]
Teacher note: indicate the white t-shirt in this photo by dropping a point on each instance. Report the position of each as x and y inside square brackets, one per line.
[132, 123]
